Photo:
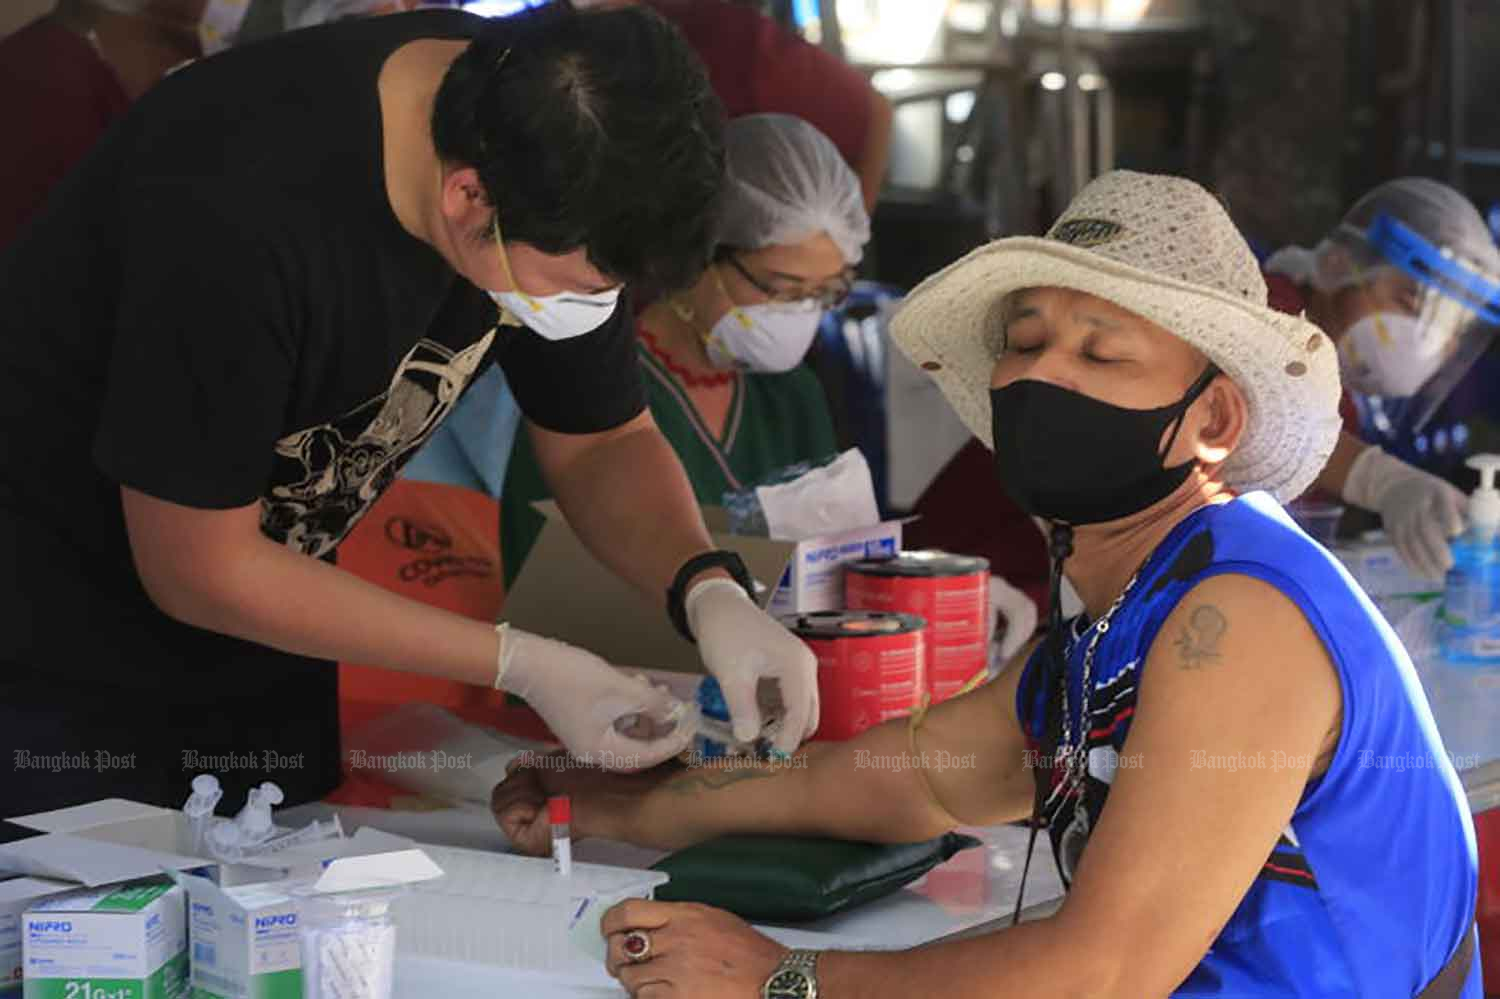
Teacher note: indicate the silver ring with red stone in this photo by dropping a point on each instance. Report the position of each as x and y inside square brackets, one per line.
[637, 946]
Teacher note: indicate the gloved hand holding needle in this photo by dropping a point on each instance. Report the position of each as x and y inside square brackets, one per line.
[743, 646]
[624, 722]
[608, 717]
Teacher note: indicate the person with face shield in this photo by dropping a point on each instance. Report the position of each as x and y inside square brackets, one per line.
[1208, 746]
[241, 316]
[1408, 288]
[67, 76]
[723, 359]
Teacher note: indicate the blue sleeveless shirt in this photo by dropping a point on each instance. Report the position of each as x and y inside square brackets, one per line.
[1374, 881]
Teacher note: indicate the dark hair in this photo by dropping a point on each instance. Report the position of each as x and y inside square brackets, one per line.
[592, 129]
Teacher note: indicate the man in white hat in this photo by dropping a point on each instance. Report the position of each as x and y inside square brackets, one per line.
[1224, 729]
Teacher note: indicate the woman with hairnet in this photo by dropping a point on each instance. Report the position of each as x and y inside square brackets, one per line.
[723, 359]
[1406, 287]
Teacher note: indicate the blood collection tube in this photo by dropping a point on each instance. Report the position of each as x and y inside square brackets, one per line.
[560, 817]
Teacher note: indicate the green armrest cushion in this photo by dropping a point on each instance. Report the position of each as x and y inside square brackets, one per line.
[790, 879]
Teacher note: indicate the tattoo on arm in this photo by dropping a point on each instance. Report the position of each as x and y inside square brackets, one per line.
[707, 779]
[1199, 643]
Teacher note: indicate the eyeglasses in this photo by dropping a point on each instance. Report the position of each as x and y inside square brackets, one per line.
[829, 296]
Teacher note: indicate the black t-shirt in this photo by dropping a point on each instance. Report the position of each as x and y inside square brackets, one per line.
[218, 308]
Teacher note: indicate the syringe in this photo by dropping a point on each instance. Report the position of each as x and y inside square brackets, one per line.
[310, 833]
[722, 731]
[199, 809]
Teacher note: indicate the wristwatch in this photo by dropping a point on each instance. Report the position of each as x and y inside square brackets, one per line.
[796, 977]
[677, 592]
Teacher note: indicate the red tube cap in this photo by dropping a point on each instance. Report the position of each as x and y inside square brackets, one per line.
[560, 810]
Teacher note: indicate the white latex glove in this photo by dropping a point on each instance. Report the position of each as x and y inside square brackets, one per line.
[1421, 511]
[1019, 612]
[741, 645]
[588, 702]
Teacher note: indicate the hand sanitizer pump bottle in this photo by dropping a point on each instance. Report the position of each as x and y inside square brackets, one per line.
[1471, 596]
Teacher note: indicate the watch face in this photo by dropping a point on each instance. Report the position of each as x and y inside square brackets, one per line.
[790, 984]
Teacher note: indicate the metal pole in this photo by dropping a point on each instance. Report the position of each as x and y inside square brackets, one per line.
[1075, 126]
[1104, 121]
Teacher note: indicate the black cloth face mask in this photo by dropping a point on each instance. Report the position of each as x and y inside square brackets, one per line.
[1072, 459]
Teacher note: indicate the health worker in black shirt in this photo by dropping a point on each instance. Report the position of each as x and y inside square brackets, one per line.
[251, 304]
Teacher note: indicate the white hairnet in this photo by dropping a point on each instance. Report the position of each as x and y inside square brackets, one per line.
[787, 182]
[1436, 212]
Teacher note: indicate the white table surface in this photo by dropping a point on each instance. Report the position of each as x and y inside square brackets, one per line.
[975, 888]
[974, 891]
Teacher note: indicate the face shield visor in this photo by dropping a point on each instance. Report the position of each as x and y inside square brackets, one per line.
[1434, 315]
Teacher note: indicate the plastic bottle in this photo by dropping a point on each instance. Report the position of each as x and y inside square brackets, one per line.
[348, 944]
[1471, 596]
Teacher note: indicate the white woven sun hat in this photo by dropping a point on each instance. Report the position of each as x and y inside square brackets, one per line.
[1163, 248]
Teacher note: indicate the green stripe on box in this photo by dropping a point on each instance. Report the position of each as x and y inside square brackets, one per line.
[131, 899]
[277, 985]
[273, 985]
[170, 981]
[84, 988]
[167, 982]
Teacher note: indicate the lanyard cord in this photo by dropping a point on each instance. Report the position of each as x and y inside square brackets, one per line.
[1052, 661]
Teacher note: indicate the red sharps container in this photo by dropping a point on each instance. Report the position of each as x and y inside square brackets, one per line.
[869, 667]
[950, 592]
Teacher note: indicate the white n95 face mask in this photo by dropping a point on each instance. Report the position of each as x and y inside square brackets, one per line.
[554, 317]
[1390, 354]
[767, 338]
[562, 316]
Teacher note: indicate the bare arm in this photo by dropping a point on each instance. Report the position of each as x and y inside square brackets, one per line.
[626, 496]
[214, 569]
[1236, 669]
[865, 789]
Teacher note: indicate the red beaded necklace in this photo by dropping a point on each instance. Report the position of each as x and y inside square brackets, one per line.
[689, 378]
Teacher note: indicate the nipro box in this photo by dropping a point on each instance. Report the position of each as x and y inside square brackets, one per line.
[126, 942]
